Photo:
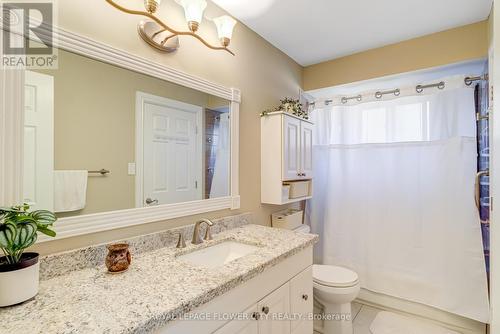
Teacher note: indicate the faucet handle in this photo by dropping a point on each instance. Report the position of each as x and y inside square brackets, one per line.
[208, 233]
[181, 243]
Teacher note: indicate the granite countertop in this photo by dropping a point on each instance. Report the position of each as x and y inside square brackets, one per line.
[156, 288]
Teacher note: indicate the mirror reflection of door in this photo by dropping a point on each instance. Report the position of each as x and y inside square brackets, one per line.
[38, 183]
[172, 156]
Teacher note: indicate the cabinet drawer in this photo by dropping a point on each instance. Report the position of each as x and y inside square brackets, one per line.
[247, 325]
[301, 301]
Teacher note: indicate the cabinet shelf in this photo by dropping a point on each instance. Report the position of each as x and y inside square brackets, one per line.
[293, 200]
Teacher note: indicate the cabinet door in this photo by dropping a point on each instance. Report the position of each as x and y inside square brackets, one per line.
[301, 301]
[291, 148]
[306, 158]
[249, 323]
[272, 307]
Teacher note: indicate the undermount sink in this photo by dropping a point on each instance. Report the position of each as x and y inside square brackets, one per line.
[218, 254]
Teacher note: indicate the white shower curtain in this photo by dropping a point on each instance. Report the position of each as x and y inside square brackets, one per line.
[394, 198]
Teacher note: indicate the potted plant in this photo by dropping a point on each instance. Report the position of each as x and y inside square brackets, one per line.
[289, 105]
[19, 269]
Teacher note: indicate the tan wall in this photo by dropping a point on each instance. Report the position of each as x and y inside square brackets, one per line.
[450, 46]
[94, 124]
[263, 73]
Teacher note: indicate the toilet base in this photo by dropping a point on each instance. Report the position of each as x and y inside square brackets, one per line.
[337, 319]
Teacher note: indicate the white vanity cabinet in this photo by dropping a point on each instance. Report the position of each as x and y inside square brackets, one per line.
[301, 302]
[284, 311]
[261, 316]
[271, 307]
[277, 301]
[249, 325]
[286, 149]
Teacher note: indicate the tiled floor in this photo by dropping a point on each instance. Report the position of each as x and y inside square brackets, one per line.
[363, 317]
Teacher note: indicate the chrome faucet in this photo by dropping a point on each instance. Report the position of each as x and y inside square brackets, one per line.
[196, 233]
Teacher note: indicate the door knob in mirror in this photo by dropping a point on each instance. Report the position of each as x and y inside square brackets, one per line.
[150, 201]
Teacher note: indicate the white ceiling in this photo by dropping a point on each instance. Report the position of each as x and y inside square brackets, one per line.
[312, 31]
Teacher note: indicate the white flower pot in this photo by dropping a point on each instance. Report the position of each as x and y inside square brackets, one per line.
[19, 284]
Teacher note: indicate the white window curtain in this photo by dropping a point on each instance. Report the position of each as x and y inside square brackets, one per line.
[394, 198]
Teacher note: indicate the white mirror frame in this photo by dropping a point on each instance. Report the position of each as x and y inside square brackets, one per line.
[12, 128]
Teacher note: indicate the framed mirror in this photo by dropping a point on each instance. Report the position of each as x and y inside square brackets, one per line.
[109, 140]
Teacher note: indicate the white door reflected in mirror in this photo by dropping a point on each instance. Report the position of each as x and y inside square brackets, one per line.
[172, 150]
[38, 182]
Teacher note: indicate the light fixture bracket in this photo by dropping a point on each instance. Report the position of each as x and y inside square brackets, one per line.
[153, 34]
[159, 35]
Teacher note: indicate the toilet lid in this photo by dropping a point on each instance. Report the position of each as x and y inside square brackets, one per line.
[334, 276]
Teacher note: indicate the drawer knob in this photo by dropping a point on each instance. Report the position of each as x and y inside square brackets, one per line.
[265, 309]
[305, 297]
[256, 315]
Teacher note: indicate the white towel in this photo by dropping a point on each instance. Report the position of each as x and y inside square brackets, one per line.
[70, 190]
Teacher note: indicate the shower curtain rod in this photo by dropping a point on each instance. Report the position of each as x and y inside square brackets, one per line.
[419, 89]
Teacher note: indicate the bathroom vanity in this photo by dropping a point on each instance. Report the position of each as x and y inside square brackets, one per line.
[166, 291]
[278, 300]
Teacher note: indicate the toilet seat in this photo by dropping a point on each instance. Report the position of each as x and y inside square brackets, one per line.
[334, 276]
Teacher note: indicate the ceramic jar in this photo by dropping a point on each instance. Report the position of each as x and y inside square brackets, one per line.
[118, 258]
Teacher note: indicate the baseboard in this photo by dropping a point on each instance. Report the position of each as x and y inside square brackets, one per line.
[428, 313]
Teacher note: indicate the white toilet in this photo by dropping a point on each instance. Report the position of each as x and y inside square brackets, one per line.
[335, 288]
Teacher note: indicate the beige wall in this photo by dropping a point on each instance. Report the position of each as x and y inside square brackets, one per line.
[94, 124]
[263, 73]
[450, 46]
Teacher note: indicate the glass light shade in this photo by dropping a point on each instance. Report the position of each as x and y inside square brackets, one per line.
[193, 9]
[225, 25]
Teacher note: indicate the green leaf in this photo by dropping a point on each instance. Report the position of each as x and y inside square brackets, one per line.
[46, 231]
[32, 240]
[25, 234]
[43, 217]
[8, 233]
